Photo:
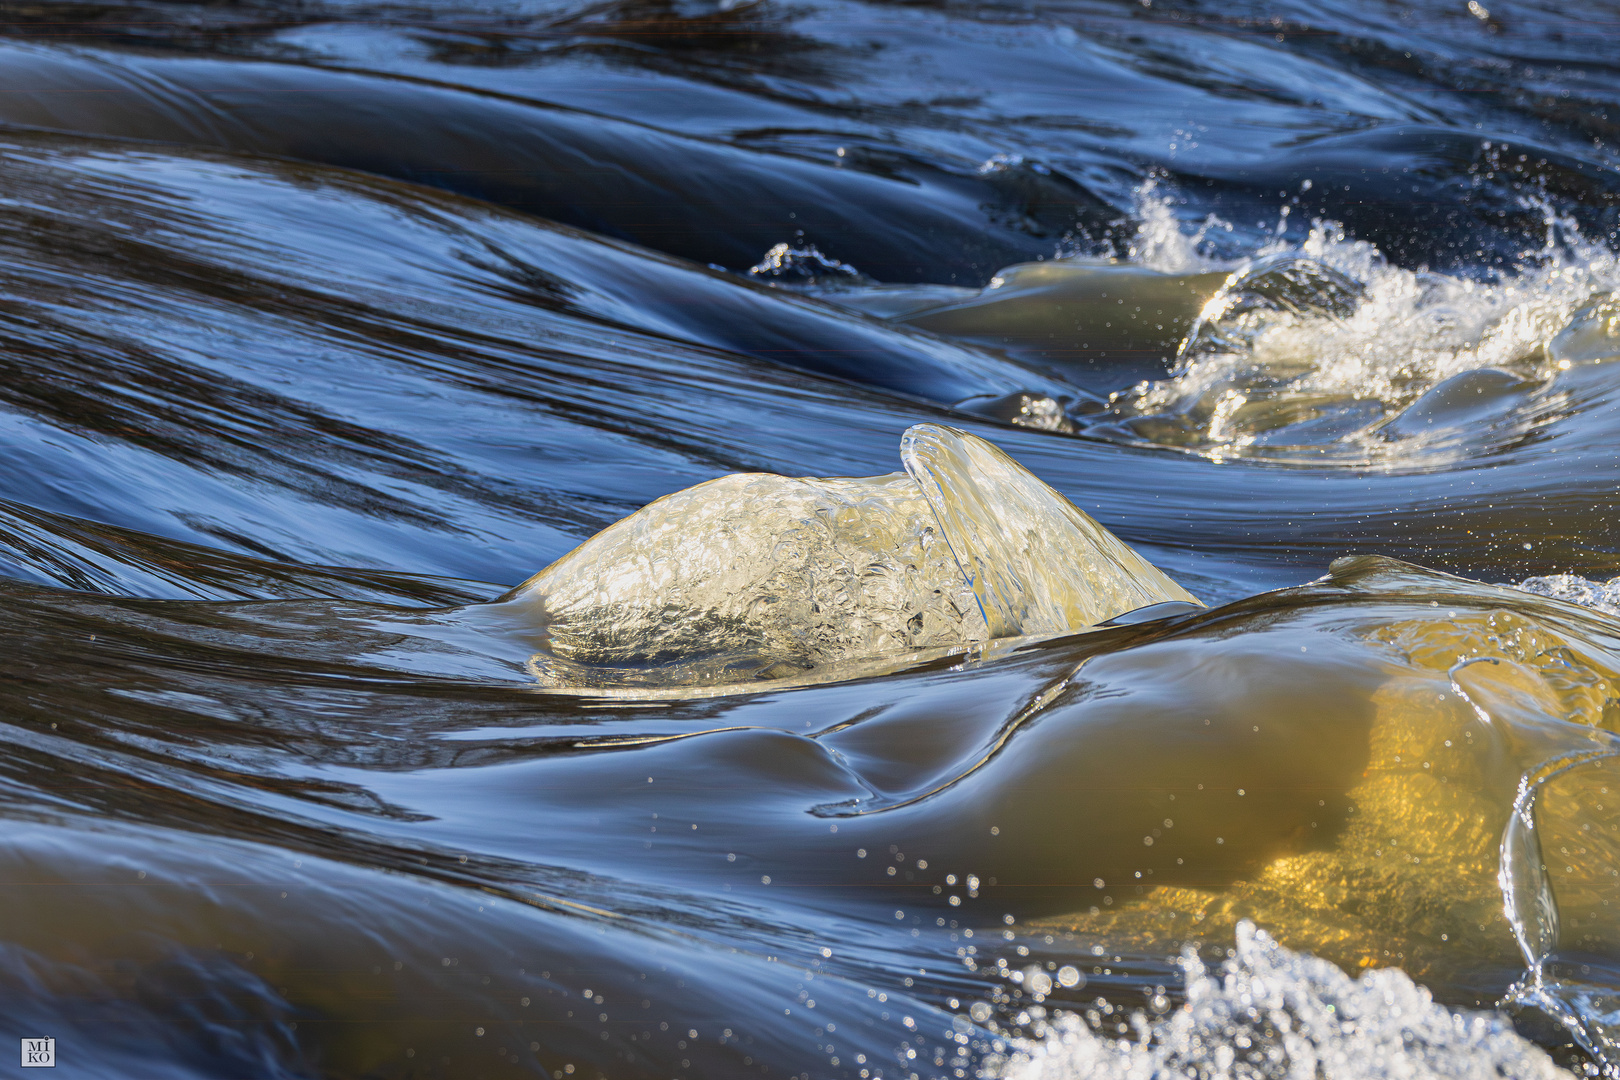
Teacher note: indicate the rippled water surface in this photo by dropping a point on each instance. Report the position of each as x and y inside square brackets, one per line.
[1136, 596]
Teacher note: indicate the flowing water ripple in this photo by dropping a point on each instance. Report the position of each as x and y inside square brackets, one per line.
[326, 327]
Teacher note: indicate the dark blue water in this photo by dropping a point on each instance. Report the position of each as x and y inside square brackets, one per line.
[324, 325]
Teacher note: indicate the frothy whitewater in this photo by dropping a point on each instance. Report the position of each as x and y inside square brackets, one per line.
[1268, 1013]
[1323, 351]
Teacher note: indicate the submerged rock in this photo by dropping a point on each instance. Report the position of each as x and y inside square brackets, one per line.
[1102, 323]
[761, 576]
[1478, 834]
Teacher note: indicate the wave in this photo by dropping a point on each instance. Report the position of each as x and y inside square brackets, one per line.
[756, 576]
[1318, 351]
[1268, 1013]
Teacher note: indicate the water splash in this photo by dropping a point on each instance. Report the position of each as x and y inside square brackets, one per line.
[1270, 1012]
[1601, 596]
[1160, 243]
[1324, 351]
[785, 264]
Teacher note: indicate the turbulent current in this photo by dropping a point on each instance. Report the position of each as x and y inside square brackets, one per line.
[666, 539]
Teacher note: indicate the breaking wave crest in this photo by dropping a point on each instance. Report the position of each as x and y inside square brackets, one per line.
[1269, 1012]
[1326, 351]
[1601, 596]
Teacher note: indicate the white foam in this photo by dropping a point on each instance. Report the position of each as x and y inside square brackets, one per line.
[1601, 596]
[1159, 242]
[1267, 381]
[807, 265]
[1273, 1014]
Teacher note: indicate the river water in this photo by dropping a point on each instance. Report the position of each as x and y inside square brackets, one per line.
[1285, 750]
